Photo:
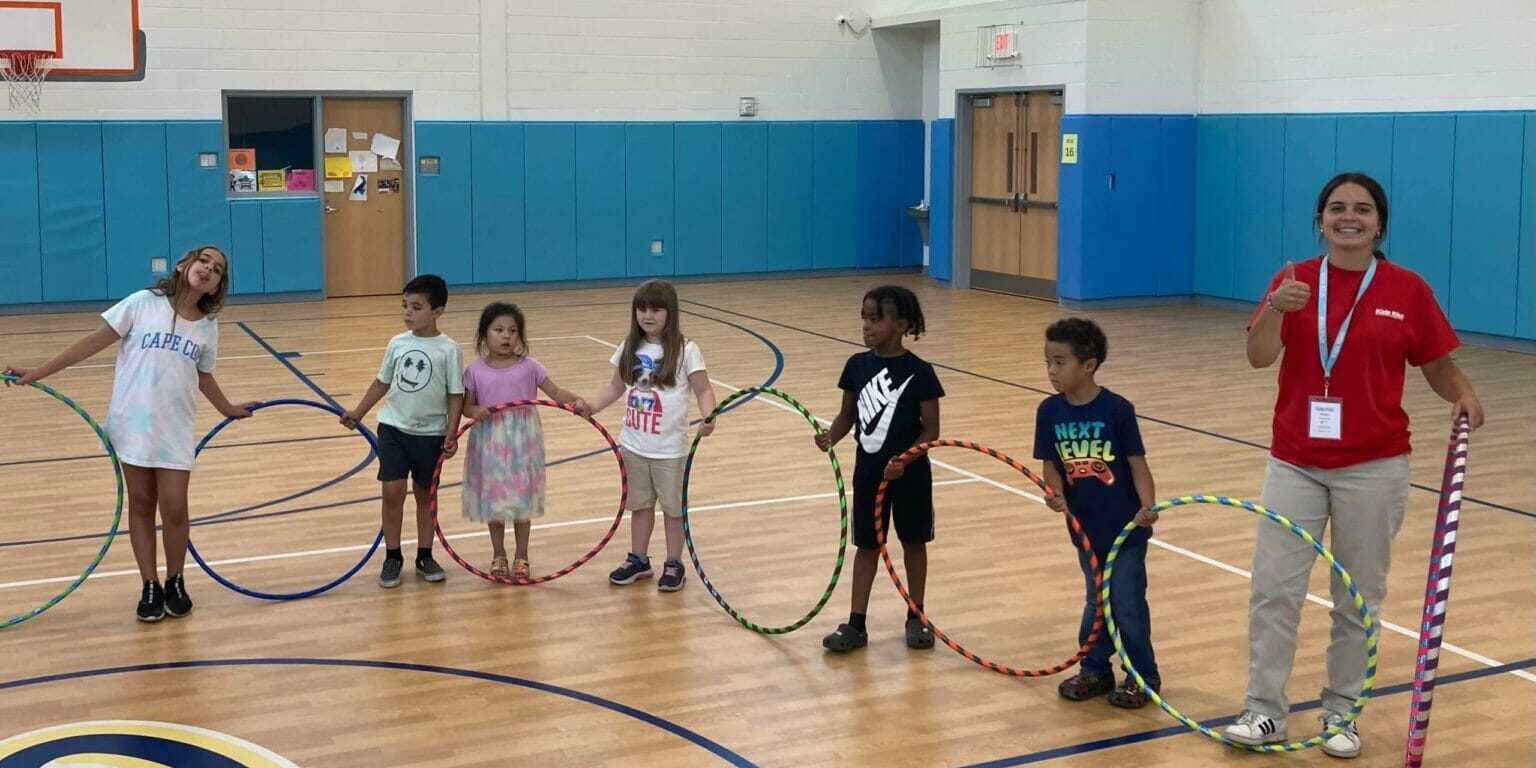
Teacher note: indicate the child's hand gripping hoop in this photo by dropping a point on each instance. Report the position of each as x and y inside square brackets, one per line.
[1354, 592]
[1077, 533]
[1437, 592]
[618, 519]
[117, 514]
[373, 447]
[842, 503]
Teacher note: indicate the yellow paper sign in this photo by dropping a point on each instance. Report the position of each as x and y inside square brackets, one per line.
[338, 167]
[271, 181]
[1069, 148]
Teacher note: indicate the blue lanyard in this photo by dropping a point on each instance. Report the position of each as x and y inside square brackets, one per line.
[1330, 357]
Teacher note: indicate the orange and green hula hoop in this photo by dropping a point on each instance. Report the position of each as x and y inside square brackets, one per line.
[1354, 593]
[117, 514]
[842, 503]
[1077, 533]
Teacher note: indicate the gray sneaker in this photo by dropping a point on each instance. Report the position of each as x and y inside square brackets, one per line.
[428, 569]
[389, 578]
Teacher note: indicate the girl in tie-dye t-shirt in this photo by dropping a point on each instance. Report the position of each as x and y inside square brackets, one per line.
[504, 466]
[170, 340]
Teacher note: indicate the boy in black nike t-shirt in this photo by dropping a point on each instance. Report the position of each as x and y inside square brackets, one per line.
[892, 397]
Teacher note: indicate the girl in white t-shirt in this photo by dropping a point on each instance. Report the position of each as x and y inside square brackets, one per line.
[654, 371]
[170, 341]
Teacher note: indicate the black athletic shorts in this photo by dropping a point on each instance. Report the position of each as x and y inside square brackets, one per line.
[908, 503]
[402, 454]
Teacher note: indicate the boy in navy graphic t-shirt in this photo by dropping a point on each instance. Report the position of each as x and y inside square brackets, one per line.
[1090, 444]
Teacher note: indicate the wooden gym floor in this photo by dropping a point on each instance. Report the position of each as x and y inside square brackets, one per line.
[578, 673]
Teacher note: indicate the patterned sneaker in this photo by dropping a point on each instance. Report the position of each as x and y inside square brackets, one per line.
[177, 603]
[1254, 729]
[672, 576]
[634, 569]
[428, 569]
[152, 602]
[1345, 743]
[389, 578]
[1084, 686]
[1130, 694]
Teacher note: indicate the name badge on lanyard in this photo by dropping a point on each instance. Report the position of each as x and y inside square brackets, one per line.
[1326, 414]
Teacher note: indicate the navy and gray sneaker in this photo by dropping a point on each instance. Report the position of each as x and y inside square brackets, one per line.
[672, 575]
[428, 569]
[634, 569]
[152, 602]
[389, 578]
[177, 602]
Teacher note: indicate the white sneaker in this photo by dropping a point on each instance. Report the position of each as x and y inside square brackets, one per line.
[1255, 729]
[1345, 743]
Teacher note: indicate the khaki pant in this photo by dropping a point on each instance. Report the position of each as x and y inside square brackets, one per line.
[1365, 504]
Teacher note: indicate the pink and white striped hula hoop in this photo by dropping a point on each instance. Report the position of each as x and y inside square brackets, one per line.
[1437, 592]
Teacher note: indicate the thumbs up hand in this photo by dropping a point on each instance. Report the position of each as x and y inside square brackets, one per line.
[1292, 294]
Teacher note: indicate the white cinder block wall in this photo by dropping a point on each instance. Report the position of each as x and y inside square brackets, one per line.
[1331, 56]
[1142, 57]
[516, 59]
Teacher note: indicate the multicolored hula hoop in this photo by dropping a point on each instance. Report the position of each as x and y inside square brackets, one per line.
[842, 503]
[1354, 592]
[1077, 533]
[117, 515]
[373, 446]
[437, 475]
[1437, 592]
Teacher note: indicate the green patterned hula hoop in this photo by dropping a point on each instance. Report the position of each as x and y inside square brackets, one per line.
[117, 514]
[1354, 592]
[842, 503]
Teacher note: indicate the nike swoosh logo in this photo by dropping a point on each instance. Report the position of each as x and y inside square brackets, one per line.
[873, 440]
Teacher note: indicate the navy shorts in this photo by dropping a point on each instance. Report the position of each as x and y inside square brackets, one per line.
[402, 454]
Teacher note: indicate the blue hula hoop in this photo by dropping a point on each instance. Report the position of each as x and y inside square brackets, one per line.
[373, 445]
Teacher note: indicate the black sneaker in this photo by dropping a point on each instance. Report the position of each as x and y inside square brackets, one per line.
[177, 603]
[389, 578]
[672, 576]
[428, 569]
[634, 568]
[152, 602]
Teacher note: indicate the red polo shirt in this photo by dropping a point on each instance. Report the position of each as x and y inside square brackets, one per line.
[1397, 321]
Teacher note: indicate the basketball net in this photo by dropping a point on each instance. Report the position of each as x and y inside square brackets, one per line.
[24, 72]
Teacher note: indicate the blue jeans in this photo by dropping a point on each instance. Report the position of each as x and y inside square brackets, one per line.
[1128, 598]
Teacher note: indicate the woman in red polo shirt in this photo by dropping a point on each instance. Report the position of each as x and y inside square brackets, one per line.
[1341, 443]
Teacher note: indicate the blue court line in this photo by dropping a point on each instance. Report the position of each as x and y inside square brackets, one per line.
[710, 745]
[1137, 738]
[290, 366]
[1139, 415]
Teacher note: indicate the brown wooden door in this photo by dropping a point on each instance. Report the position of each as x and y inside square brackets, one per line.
[1040, 130]
[994, 184]
[1015, 148]
[365, 239]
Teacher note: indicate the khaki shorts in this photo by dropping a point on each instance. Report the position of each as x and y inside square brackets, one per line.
[653, 481]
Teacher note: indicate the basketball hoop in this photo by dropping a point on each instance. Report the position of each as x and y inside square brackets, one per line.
[24, 72]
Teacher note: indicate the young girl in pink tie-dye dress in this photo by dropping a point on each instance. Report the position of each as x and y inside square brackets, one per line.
[504, 466]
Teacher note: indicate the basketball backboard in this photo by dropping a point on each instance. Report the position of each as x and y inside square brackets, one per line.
[89, 39]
